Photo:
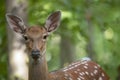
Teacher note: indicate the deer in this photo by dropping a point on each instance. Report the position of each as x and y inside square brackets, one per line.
[35, 38]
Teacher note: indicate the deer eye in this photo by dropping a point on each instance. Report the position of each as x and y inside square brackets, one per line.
[45, 36]
[25, 37]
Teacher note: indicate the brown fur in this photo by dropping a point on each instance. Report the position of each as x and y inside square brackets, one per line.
[37, 69]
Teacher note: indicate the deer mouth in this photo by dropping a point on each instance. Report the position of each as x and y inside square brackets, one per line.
[35, 57]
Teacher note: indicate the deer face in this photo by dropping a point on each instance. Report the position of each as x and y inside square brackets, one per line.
[35, 36]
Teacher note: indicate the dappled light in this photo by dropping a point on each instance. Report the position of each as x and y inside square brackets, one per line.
[18, 62]
[66, 14]
[109, 34]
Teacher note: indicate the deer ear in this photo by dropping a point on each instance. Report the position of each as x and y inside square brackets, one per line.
[53, 21]
[15, 23]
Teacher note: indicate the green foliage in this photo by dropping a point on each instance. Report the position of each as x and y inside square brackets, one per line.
[105, 20]
[3, 43]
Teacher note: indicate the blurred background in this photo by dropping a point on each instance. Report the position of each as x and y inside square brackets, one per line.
[89, 28]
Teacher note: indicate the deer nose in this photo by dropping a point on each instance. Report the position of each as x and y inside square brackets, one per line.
[35, 54]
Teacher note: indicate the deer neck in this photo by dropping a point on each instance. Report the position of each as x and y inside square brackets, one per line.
[38, 70]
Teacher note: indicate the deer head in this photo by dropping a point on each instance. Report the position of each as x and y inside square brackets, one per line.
[35, 36]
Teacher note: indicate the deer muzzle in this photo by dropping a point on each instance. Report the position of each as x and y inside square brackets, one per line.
[35, 54]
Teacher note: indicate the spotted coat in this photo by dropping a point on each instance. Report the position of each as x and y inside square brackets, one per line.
[80, 70]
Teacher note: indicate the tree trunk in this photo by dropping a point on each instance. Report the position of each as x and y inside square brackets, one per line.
[89, 47]
[17, 57]
[67, 50]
